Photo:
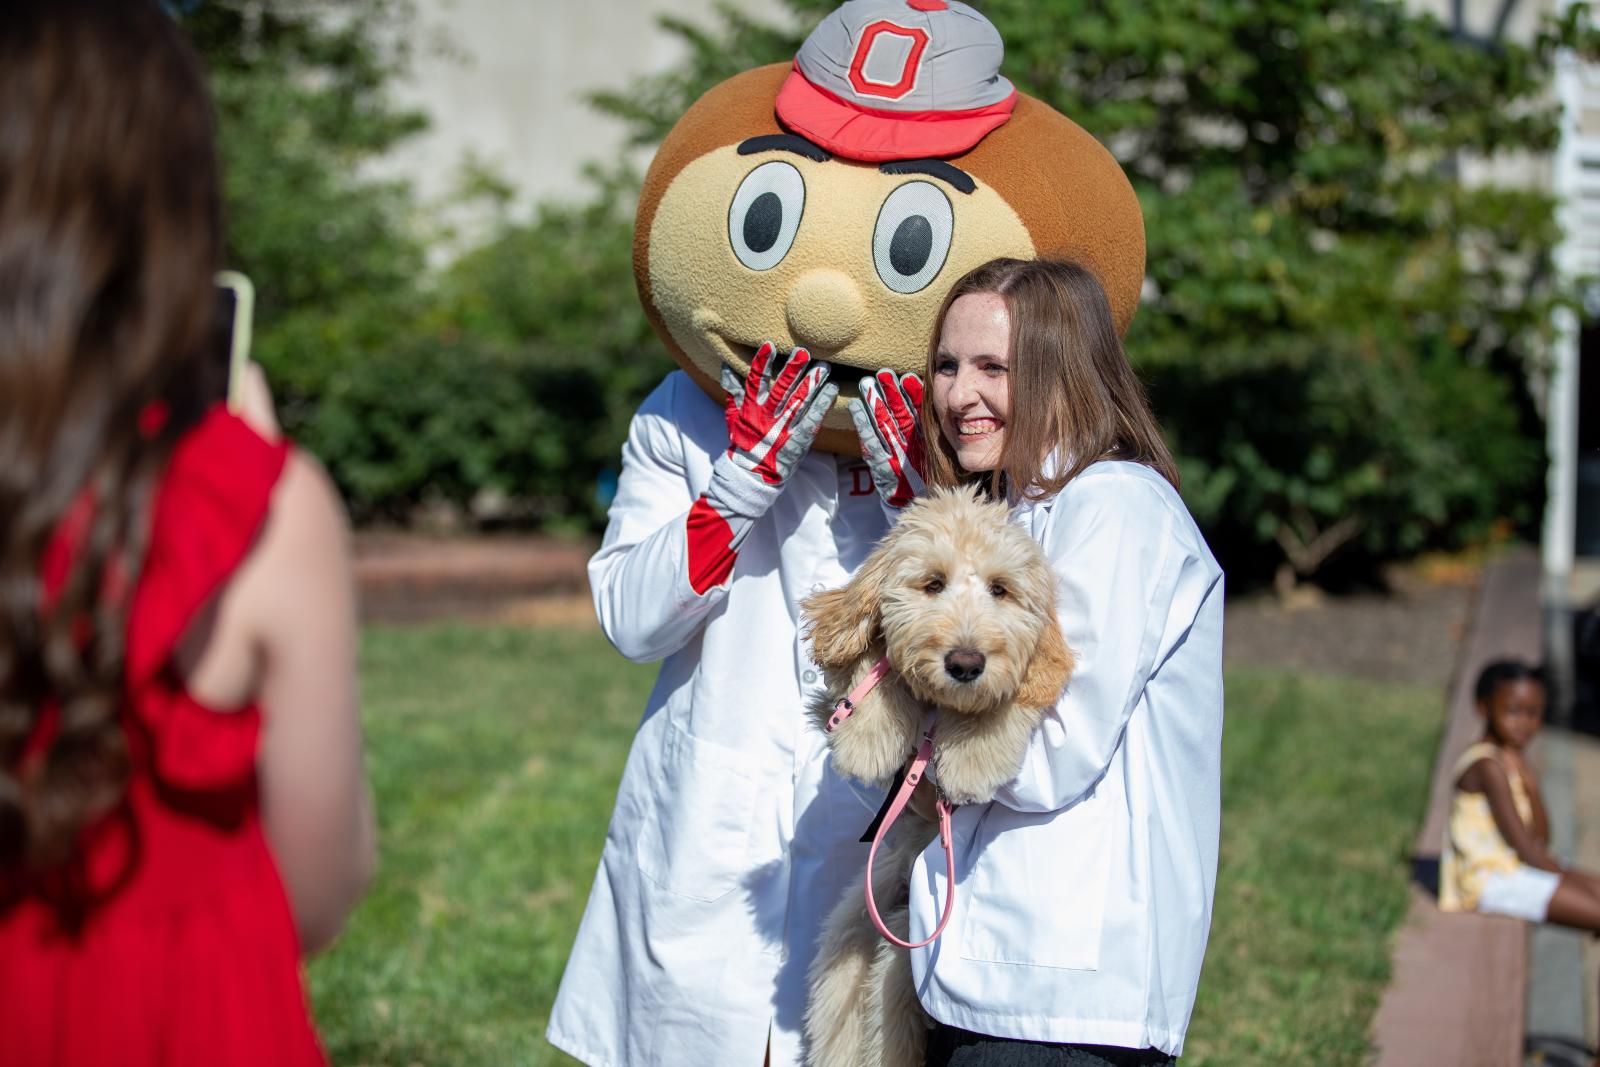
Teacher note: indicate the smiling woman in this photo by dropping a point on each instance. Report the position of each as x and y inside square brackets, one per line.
[971, 384]
[1041, 330]
[1032, 399]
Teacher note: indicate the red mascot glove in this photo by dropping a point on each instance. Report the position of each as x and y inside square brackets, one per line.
[772, 422]
[891, 440]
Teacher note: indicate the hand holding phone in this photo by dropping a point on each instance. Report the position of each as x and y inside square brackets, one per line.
[255, 403]
[236, 301]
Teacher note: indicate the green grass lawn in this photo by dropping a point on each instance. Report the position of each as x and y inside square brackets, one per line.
[495, 754]
[1324, 781]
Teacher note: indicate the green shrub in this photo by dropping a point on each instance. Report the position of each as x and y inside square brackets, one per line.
[513, 396]
[1343, 445]
[303, 110]
[502, 386]
[462, 423]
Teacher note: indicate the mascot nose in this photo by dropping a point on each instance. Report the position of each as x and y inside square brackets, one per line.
[825, 310]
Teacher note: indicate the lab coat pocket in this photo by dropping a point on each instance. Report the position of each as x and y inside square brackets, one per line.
[1037, 891]
[693, 841]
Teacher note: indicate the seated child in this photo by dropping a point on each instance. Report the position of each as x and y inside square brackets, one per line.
[1496, 852]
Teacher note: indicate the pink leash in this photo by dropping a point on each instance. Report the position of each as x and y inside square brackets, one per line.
[919, 764]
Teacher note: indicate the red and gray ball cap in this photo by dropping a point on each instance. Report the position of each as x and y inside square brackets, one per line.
[898, 79]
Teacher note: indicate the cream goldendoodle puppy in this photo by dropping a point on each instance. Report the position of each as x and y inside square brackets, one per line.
[962, 604]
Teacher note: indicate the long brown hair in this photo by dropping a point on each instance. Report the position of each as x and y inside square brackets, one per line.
[109, 238]
[1084, 403]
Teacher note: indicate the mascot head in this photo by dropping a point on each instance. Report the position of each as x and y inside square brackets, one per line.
[832, 203]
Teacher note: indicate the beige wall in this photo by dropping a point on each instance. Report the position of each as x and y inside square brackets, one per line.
[1479, 18]
[1479, 15]
[509, 90]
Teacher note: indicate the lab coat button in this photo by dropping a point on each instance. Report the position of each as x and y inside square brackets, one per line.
[810, 677]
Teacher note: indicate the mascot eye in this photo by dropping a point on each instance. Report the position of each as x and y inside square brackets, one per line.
[998, 590]
[765, 214]
[913, 236]
[933, 586]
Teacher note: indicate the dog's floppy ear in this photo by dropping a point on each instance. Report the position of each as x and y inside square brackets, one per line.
[1049, 669]
[842, 622]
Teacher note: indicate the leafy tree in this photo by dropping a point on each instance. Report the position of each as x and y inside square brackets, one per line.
[502, 386]
[515, 395]
[300, 89]
[1337, 329]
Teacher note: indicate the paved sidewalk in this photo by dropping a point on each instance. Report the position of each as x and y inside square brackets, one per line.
[410, 578]
[1562, 963]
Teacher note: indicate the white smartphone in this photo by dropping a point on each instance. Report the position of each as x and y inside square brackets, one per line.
[236, 302]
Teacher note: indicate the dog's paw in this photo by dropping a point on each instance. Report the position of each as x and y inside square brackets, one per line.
[879, 736]
[880, 733]
[974, 755]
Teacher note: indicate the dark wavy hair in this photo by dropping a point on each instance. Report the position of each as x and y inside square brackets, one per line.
[1083, 400]
[109, 238]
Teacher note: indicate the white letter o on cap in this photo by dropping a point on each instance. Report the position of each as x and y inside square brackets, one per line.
[871, 38]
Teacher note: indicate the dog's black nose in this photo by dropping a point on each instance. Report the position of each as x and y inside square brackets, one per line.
[964, 664]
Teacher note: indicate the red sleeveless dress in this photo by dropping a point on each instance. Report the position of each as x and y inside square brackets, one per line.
[188, 957]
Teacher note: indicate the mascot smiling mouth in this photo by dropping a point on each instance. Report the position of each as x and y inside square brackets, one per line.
[827, 204]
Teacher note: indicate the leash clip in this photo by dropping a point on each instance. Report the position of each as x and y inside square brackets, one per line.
[847, 703]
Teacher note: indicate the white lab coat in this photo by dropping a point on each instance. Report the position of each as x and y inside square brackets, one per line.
[1084, 890]
[731, 839]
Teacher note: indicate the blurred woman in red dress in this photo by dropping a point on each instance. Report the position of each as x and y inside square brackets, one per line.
[183, 811]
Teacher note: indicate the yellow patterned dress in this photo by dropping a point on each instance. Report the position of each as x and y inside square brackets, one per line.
[1473, 845]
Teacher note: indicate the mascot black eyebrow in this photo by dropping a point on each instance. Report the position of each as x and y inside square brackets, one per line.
[821, 208]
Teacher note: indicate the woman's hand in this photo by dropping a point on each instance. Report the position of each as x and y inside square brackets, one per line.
[891, 439]
[255, 403]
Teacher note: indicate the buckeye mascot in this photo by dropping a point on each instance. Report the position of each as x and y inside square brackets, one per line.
[797, 232]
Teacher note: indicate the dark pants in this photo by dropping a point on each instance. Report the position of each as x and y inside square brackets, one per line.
[950, 1047]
